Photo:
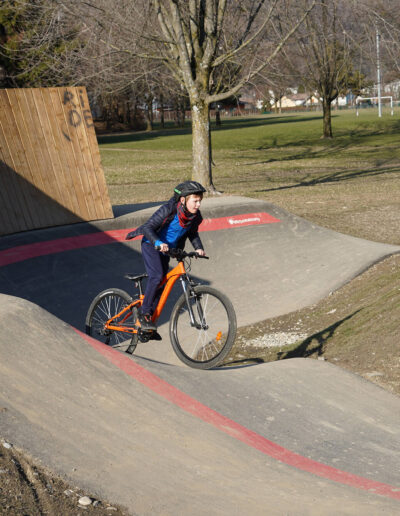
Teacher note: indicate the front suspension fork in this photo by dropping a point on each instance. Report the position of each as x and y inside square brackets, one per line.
[193, 322]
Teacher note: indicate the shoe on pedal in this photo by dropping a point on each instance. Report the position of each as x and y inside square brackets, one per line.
[155, 336]
[146, 323]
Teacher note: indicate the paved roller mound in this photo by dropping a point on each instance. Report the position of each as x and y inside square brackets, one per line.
[299, 436]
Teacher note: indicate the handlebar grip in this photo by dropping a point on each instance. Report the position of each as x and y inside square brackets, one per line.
[179, 253]
[194, 254]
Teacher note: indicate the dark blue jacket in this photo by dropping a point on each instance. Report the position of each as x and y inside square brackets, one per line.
[162, 217]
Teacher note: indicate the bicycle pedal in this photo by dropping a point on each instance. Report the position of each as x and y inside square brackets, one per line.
[143, 336]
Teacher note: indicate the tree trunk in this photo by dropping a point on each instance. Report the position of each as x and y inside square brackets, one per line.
[327, 122]
[162, 120]
[126, 113]
[149, 113]
[201, 146]
[183, 114]
[218, 118]
[114, 113]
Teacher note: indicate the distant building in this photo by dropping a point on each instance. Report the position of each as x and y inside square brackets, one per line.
[296, 100]
[249, 99]
[342, 100]
[393, 89]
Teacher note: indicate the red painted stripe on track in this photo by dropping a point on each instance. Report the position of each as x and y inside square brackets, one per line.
[235, 430]
[235, 221]
[60, 245]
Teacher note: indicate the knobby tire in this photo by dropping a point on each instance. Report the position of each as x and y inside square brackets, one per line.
[207, 347]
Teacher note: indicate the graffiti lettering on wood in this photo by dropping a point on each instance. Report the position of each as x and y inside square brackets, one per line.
[77, 112]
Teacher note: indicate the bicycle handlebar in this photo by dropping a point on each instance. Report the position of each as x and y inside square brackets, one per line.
[180, 254]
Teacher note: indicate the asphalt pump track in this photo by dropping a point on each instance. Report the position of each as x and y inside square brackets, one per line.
[293, 437]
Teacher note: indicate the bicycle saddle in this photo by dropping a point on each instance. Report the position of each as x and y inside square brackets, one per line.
[137, 277]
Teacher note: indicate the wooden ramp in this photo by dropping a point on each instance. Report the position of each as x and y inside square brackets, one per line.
[50, 168]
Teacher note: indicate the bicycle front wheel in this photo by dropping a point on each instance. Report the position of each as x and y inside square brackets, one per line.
[104, 306]
[206, 341]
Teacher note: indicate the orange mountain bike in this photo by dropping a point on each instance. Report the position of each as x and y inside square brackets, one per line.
[202, 326]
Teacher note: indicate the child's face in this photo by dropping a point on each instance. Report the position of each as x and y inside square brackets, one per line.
[192, 203]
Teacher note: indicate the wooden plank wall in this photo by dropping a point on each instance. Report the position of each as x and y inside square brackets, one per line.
[50, 168]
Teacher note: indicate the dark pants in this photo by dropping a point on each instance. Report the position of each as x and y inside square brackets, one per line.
[156, 265]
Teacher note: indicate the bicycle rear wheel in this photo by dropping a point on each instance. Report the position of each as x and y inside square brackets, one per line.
[104, 306]
[206, 344]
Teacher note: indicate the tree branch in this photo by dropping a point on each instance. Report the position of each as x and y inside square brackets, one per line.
[245, 80]
[246, 43]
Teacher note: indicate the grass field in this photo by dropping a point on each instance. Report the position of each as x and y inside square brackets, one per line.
[350, 184]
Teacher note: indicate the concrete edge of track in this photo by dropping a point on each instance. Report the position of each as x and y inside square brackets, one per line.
[289, 264]
[229, 207]
[66, 404]
[131, 216]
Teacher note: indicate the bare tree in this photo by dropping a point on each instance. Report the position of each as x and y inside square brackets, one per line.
[211, 48]
[380, 18]
[325, 54]
[277, 82]
[201, 38]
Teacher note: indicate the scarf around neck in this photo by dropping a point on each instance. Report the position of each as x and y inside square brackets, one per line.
[184, 216]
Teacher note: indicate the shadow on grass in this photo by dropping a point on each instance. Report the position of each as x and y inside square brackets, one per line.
[343, 137]
[315, 344]
[142, 135]
[335, 177]
[326, 147]
[227, 124]
[237, 123]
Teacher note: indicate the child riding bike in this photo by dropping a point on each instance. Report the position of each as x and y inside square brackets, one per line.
[168, 228]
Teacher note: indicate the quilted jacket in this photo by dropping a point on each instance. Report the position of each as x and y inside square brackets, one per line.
[163, 216]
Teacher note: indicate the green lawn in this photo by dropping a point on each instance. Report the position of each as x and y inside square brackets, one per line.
[348, 183]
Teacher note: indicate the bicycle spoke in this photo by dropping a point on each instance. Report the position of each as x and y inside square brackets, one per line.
[104, 307]
[201, 345]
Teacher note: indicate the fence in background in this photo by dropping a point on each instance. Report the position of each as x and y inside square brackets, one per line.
[50, 168]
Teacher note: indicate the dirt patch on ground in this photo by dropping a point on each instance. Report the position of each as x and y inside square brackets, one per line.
[27, 489]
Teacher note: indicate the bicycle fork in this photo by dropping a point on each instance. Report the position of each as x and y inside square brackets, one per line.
[190, 293]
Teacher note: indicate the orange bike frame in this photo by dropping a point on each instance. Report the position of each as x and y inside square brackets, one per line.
[168, 282]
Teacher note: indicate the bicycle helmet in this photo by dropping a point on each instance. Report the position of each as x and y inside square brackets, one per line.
[188, 188]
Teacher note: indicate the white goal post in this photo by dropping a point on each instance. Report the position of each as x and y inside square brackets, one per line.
[362, 99]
